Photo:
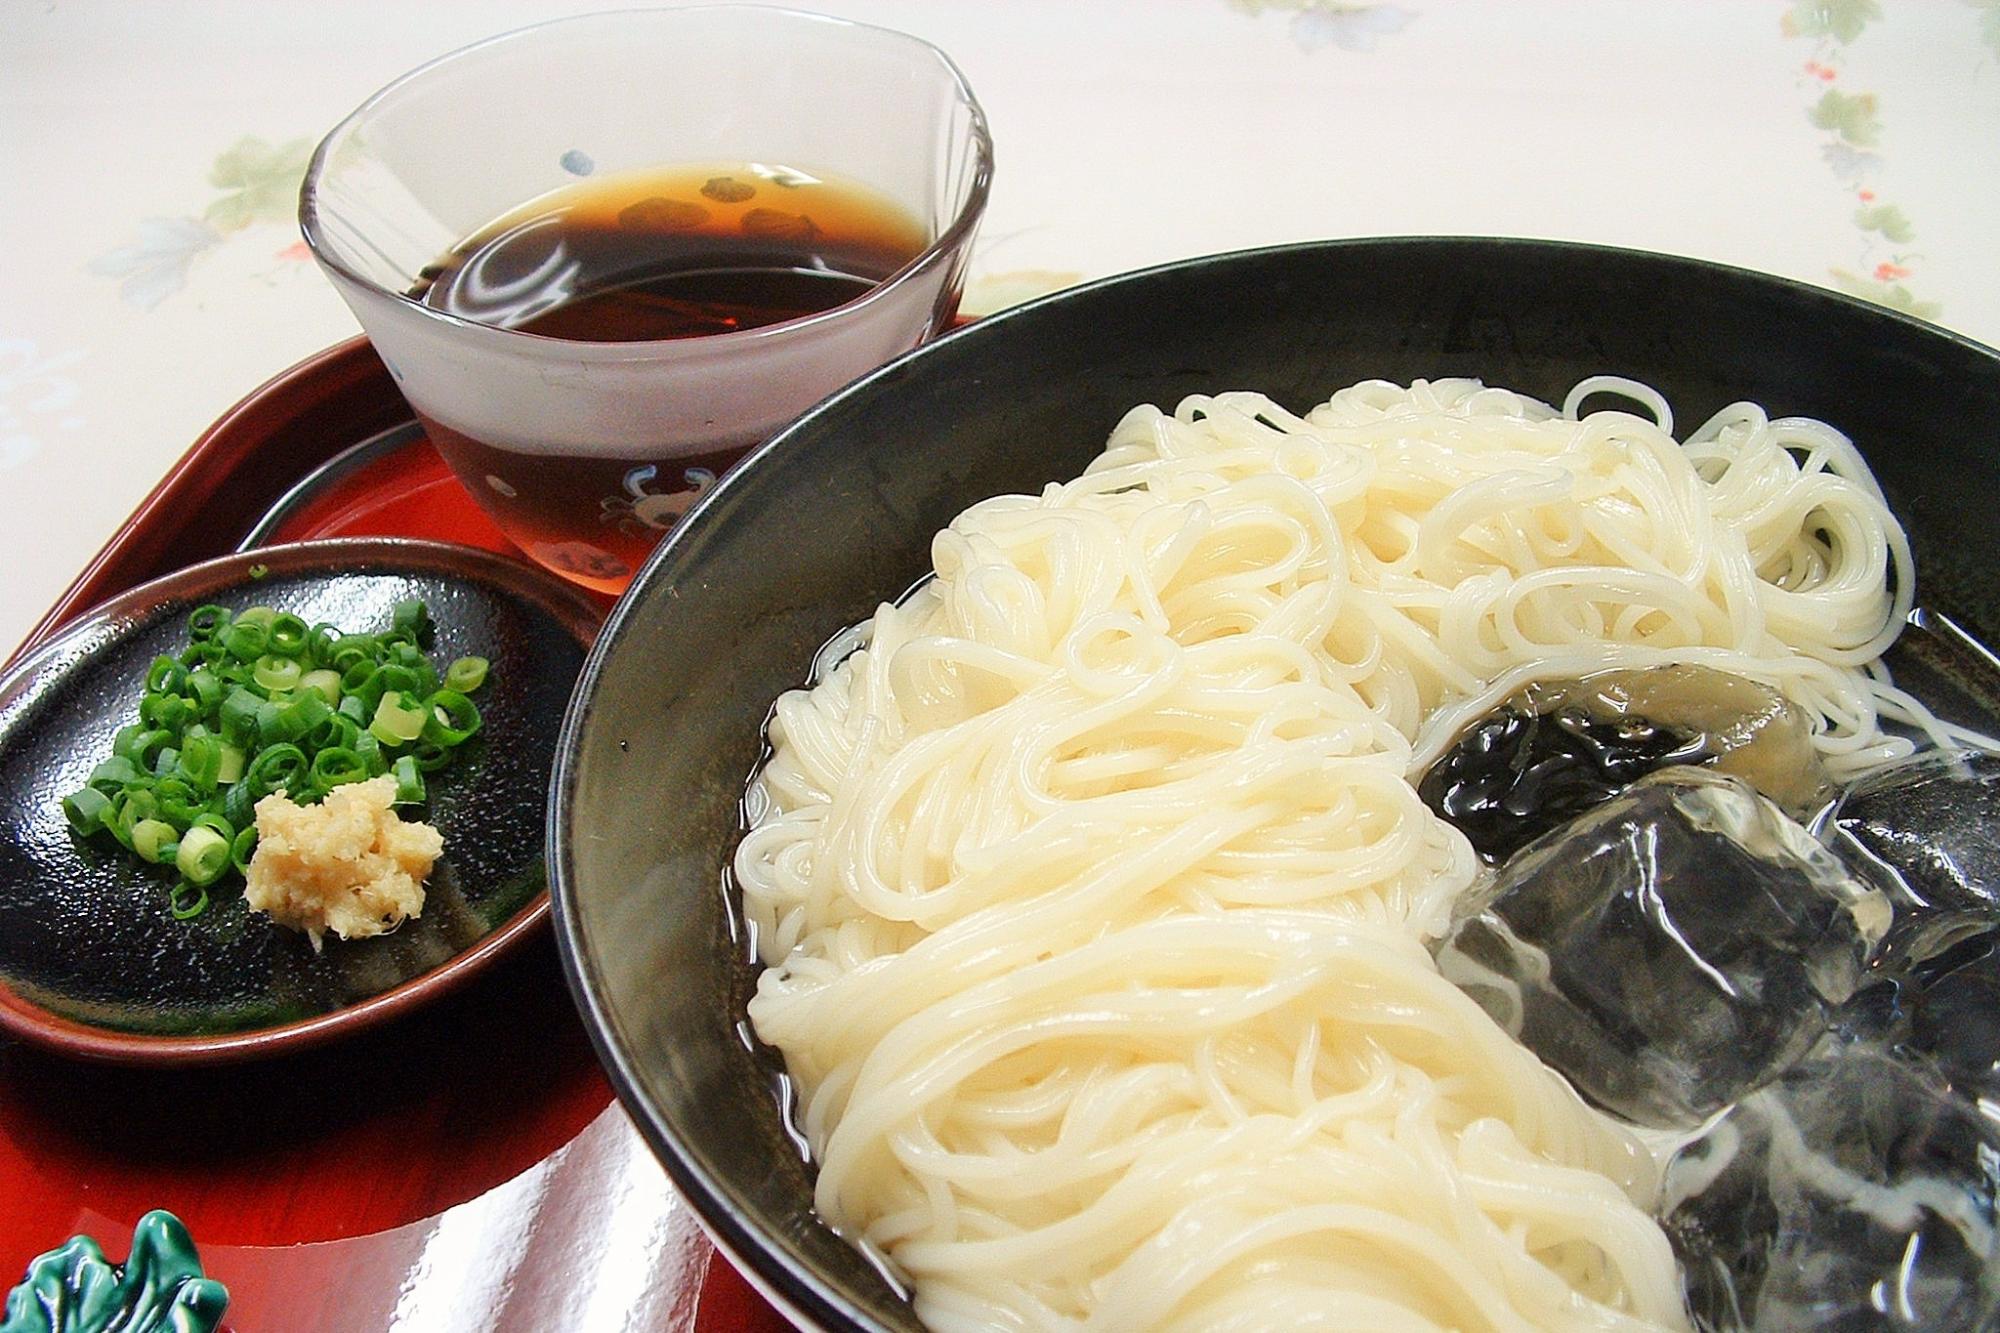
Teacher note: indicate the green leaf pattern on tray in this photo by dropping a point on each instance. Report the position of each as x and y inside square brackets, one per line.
[258, 183]
[1853, 117]
[1841, 20]
[1317, 23]
[1989, 23]
[159, 1289]
[1886, 219]
[1852, 150]
[1884, 292]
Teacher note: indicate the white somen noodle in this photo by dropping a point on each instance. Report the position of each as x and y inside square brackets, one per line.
[1094, 892]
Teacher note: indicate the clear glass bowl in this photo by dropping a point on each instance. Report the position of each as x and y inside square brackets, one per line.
[585, 452]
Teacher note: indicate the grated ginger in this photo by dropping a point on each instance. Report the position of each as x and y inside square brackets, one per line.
[350, 864]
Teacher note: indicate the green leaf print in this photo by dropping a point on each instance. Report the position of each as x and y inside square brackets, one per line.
[1850, 117]
[1989, 23]
[260, 182]
[1887, 219]
[1891, 294]
[1841, 20]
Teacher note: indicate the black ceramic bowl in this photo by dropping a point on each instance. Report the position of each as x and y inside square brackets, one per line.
[837, 513]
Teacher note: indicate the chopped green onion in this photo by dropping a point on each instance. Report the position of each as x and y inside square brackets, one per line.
[204, 687]
[115, 825]
[289, 635]
[371, 754]
[276, 673]
[452, 718]
[430, 755]
[201, 760]
[203, 855]
[209, 820]
[243, 846]
[278, 767]
[291, 720]
[409, 781]
[166, 711]
[135, 741]
[352, 650]
[247, 640]
[332, 768]
[259, 702]
[205, 622]
[177, 801]
[115, 773]
[466, 674]
[165, 675]
[146, 748]
[85, 809]
[154, 839]
[406, 658]
[398, 718]
[414, 618]
[238, 718]
[130, 808]
[337, 732]
[206, 653]
[352, 679]
[323, 681]
[385, 680]
[135, 803]
[320, 641]
[239, 804]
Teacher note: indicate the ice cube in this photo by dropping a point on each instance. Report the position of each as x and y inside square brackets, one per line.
[1856, 1193]
[1928, 829]
[1935, 996]
[1670, 950]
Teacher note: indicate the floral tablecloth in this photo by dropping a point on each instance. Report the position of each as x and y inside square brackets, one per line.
[151, 156]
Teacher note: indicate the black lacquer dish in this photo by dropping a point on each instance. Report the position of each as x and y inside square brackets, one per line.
[92, 960]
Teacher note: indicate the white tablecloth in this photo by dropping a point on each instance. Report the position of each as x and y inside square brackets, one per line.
[150, 157]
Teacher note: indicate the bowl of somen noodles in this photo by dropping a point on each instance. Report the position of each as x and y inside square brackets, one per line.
[1386, 783]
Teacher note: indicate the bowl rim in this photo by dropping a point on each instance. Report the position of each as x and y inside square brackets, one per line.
[22, 1017]
[770, 1267]
[983, 327]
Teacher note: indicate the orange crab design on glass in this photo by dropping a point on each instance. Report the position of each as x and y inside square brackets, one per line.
[643, 507]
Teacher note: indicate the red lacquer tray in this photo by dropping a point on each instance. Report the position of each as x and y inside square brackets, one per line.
[465, 1168]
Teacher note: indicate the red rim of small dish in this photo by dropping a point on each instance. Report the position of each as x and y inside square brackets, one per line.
[23, 1018]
